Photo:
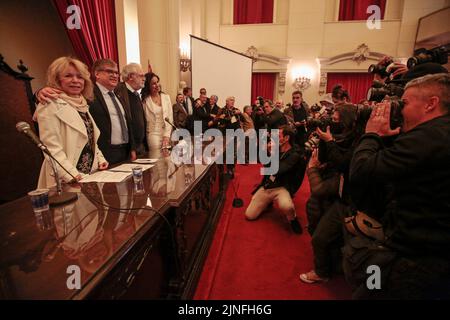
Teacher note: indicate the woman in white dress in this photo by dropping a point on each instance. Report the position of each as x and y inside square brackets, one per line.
[157, 107]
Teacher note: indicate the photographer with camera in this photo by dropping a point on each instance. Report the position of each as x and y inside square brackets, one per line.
[328, 177]
[413, 256]
[229, 117]
[282, 186]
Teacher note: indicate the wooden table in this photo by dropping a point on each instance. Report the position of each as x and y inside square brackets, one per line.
[141, 253]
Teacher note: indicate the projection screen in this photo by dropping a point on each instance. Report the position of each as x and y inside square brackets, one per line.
[220, 71]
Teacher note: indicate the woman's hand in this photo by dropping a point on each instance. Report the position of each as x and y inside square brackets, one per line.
[133, 155]
[103, 165]
[314, 160]
[325, 135]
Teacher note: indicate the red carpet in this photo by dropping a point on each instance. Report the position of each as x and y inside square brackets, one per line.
[261, 259]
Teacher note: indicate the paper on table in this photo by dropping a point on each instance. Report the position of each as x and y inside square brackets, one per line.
[149, 202]
[145, 161]
[129, 167]
[106, 176]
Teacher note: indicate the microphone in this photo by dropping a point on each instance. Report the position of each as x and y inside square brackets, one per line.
[60, 197]
[168, 121]
[24, 128]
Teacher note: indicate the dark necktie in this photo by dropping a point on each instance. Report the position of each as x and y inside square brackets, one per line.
[121, 118]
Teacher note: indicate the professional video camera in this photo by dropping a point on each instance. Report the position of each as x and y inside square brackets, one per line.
[422, 55]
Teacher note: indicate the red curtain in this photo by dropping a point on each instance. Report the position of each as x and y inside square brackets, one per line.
[263, 84]
[356, 84]
[253, 11]
[357, 9]
[97, 37]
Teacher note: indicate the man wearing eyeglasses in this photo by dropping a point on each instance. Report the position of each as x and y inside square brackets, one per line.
[111, 114]
[110, 111]
[133, 78]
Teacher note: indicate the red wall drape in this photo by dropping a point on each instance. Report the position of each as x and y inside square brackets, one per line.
[263, 84]
[253, 11]
[97, 37]
[357, 9]
[356, 84]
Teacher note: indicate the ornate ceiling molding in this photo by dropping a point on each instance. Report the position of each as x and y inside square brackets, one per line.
[280, 65]
[253, 52]
[360, 54]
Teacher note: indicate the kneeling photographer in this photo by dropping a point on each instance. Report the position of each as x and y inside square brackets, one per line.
[327, 172]
[413, 255]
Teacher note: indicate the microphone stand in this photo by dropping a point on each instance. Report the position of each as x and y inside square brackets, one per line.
[60, 197]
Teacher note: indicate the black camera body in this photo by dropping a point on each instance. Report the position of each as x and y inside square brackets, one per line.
[379, 91]
[396, 118]
[315, 108]
[382, 69]
[422, 55]
[313, 139]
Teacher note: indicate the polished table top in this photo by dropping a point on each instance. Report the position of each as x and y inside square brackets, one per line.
[34, 262]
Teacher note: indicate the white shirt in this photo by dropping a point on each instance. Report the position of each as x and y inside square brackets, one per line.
[116, 128]
[189, 105]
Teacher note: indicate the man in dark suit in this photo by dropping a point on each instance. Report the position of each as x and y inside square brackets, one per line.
[201, 114]
[274, 118]
[180, 114]
[111, 114]
[189, 105]
[133, 80]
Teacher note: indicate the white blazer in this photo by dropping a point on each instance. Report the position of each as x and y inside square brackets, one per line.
[63, 131]
[167, 113]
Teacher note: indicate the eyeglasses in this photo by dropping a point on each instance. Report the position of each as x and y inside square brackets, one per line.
[139, 75]
[110, 72]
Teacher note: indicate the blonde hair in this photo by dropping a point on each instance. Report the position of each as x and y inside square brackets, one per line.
[59, 65]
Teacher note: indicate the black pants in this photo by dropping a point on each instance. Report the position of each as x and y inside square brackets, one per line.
[327, 240]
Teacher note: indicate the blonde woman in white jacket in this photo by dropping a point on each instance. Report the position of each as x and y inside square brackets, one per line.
[66, 126]
[157, 107]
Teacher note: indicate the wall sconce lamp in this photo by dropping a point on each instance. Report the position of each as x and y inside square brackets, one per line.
[185, 64]
[302, 78]
[302, 83]
[185, 61]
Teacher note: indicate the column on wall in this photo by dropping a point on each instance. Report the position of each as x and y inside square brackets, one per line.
[159, 40]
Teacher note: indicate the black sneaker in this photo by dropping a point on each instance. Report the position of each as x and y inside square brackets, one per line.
[296, 227]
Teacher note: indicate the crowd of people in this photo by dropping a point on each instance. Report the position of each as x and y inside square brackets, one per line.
[379, 195]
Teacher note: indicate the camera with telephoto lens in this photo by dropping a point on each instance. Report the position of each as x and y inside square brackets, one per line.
[315, 108]
[396, 118]
[382, 69]
[379, 91]
[313, 139]
[422, 55]
[312, 143]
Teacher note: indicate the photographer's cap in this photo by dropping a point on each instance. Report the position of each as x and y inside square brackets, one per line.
[327, 98]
